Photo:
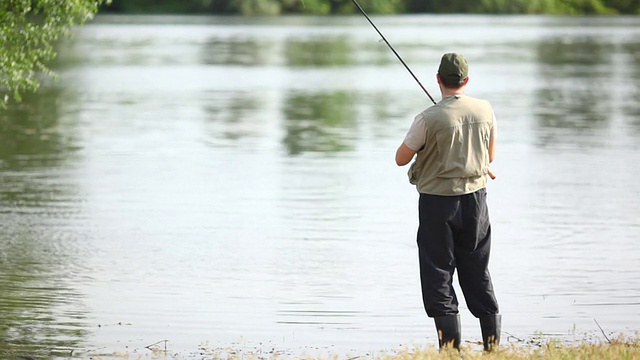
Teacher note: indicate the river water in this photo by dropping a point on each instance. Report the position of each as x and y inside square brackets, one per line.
[228, 183]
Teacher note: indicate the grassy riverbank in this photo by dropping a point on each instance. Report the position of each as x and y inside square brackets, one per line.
[535, 349]
[625, 350]
[614, 349]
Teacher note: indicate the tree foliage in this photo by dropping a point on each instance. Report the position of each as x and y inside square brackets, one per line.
[28, 32]
[276, 7]
[30, 28]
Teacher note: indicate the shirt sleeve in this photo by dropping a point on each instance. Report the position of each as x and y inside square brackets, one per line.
[417, 134]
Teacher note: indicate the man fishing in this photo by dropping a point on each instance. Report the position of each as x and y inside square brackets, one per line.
[455, 140]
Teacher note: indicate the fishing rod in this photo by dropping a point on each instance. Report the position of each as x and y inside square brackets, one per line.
[355, 2]
[392, 49]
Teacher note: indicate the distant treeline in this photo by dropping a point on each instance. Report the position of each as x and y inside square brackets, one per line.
[277, 7]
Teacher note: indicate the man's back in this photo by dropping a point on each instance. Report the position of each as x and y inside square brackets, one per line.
[455, 159]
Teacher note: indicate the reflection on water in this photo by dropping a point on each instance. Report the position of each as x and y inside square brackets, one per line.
[630, 103]
[236, 51]
[575, 54]
[574, 103]
[318, 51]
[219, 179]
[31, 134]
[319, 122]
[233, 116]
[41, 314]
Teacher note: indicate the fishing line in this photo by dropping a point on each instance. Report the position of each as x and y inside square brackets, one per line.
[392, 49]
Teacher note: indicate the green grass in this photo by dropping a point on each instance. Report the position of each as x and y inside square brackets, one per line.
[616, 349]
[619, 348]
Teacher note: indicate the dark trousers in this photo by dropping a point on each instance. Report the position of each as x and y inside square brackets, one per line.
[455, 233]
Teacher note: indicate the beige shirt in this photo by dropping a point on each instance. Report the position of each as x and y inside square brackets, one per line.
[452, 143]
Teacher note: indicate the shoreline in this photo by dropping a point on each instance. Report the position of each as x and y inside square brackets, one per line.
[540, 346]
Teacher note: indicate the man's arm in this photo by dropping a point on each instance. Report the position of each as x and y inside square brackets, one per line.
[415, 139]
[492, 147]
[404, 154]
[492, 140]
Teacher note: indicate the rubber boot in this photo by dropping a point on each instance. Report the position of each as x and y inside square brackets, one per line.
[490, 326]
[448, 328]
